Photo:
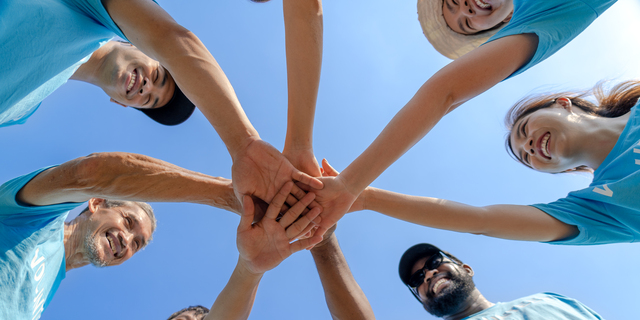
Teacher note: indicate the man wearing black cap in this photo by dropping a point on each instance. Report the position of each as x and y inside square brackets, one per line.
[444, 286]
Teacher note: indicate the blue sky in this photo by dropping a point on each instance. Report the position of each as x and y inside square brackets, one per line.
[375, 58]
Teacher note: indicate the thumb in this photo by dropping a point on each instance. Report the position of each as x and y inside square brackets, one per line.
[328, 169]
[247, 214]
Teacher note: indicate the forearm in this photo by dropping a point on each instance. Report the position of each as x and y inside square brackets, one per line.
[304, 31]
[344, 296]
[128, 176]
[236, 299]
[515, 222]
[193, 68]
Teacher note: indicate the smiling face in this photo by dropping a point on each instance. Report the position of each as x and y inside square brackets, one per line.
[445, 289]
[113, 235]
[133, 79]
[549, 139]
[474, 16]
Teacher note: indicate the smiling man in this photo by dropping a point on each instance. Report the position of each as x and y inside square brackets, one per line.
[444, 286]
[37, 246]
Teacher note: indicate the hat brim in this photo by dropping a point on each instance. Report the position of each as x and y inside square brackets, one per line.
[449, 43]
[412, 255]
[175, 112]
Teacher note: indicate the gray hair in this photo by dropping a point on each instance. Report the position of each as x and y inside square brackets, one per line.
[142, 205]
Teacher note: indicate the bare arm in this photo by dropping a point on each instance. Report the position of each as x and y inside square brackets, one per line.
[127, 176]
[344, 296]
[262, 246]
[303, 29]
[513, 222]
[453, 85]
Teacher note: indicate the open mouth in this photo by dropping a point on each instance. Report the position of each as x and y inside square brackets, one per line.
[112, 243]
[482, 5]
[439, 285]
[132, 81]
[543, 145]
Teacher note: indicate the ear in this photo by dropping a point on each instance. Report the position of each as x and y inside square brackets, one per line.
[468, 269]
[95, 204]
[565, 103]
[116, 102]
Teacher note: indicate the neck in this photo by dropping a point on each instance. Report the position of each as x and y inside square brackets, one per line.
[475, 303]
[90, 71]
[602, 136]
[73, 246]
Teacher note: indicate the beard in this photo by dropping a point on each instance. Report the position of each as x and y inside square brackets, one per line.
[452, 297]
[92, 252]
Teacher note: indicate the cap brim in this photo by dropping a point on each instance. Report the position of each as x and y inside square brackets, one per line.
[175, 112]
[412, 255]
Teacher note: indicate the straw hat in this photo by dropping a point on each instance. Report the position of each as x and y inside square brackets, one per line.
[449, 43]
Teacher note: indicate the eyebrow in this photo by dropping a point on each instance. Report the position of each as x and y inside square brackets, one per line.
[446, 2]
[145, 242]
[164, 81]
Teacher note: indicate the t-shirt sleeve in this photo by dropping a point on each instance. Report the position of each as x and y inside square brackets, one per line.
[97, 11]
[595, 226]
[11, 209]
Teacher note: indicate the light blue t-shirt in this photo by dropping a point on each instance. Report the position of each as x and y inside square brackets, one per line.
[541, 306]
[608, 211]
[43, 44]
[32, 260]
[556, 22]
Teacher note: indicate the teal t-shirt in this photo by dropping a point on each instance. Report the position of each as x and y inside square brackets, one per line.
[555, 23]
[32, 260]
[43, 44]
[541, 306]
[608, 211]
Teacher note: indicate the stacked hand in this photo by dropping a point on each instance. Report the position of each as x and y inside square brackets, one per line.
[265, 244]
[260, 170]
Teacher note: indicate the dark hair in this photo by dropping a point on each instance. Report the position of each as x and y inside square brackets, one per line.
[611, 103]
[198, 311]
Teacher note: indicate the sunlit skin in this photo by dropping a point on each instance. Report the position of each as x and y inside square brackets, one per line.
[118, 233]
[128, 76]
[562, 137]
[189, 315]
[468, 17]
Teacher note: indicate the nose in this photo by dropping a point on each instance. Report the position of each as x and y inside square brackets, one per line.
[146, 87]
[467, 9]
[127, 238]
[528, 146]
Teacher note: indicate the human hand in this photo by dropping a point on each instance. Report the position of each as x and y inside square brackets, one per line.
[335, 200]
[303, 160]
[329, 171]
[260, 170]
[264, 245]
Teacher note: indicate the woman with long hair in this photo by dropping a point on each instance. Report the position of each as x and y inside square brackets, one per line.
[491, 41]
[555, 133]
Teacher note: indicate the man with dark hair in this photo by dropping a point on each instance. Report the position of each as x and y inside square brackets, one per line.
[444, 286]
[190, 313]
[37, 246]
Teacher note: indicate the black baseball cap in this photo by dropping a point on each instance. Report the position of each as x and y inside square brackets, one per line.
[412, 255]
[175, 112]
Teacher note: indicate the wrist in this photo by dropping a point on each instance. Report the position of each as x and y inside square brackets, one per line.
[246, 271]
[240, 145]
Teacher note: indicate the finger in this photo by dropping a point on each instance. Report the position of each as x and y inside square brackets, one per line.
[298, 192]
[307, 179]
[308, 232]
[247, 214]
[305, 243]
[296, 210]
[300, 226]
[278, 200]
[304, 187]
[328, 169]
[321, 231]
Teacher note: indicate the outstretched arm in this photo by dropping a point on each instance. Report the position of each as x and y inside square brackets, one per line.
[262, 246]
[344, 296]
[127, 176]
[303, 30]
[513, 222]
[453, 85]
[197, 73]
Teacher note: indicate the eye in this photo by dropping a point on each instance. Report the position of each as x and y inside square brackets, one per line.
[469, 25]
[454, 2]
[526, 158]
[129, 222]
[147, 102]
[157, 75]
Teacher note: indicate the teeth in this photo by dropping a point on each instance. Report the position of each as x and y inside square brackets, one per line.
[482, 4]
[111, 245]
[544, 146]
[438, 284]
[133, 80]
